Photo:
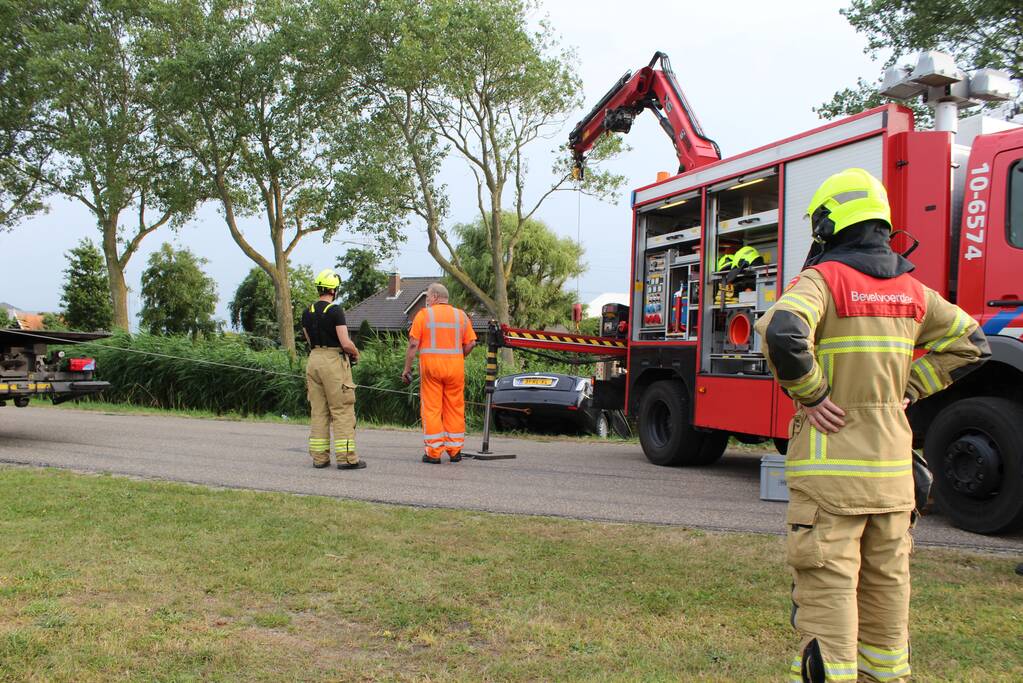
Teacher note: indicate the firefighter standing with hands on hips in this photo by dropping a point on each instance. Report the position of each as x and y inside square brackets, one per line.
[841, 341]
[329, 379]
[443, 337]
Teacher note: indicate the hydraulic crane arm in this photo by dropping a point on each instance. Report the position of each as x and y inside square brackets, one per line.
[658, 91]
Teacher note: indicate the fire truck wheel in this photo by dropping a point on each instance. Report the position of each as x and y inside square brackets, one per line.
[714, 445]
[666, 433]
[975, 449]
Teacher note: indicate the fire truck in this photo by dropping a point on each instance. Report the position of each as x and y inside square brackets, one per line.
[694, 373]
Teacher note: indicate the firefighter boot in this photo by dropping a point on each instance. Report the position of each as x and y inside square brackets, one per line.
[349, 465]
[319, 451]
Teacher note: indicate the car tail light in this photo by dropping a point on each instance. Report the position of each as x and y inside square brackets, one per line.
[82, 364]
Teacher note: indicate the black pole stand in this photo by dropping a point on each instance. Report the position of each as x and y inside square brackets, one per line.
[484, 453]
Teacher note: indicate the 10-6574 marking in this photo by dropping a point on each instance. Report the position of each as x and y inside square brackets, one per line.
[976, 213]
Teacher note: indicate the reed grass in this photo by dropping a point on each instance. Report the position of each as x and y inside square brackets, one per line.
[225, 375]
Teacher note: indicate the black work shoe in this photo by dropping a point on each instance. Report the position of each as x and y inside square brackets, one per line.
[432, 461]
[321, 465]
[352, 465]
[457, 457]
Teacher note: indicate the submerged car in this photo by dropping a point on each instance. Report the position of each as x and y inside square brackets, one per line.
[551, 403]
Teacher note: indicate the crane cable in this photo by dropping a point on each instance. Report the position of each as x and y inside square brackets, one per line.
[243, 368]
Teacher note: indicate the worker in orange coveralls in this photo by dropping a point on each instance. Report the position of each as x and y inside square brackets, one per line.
[442, 336]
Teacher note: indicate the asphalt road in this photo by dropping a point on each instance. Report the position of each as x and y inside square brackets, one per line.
[577, 479]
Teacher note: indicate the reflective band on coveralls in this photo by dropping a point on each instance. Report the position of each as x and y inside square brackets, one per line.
[826, 350]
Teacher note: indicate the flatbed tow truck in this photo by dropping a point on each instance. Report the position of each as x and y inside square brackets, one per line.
[28, 370]
[692, 369]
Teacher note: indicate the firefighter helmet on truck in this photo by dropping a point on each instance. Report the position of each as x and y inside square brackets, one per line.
[747, 256]
[847, 198]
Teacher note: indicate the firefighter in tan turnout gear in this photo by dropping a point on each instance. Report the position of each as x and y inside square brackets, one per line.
[841, 341]
[329, 377]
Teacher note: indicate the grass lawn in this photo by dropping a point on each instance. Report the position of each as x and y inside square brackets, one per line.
[107, 578]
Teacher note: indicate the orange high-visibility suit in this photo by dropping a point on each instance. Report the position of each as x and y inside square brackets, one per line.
[442, 331]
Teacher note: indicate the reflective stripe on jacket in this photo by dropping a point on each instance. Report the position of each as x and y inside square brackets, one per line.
[442, 330]
[839, 333]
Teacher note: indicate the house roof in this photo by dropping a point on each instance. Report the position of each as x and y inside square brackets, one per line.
[30, 321]
[24, 319]
[395, 314]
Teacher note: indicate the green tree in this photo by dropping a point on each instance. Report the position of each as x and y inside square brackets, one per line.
[20, 112]
[978, 33]
[177, 296]
[106, 152]
[366, 331]
[54, 322]
[361, 277]
[86, 295]
[543, 264]
[274, 128]
[7, 320]
[475, 78]
[252, 307]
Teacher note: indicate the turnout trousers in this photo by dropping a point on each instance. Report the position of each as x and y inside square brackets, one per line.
[442, 404]
[331, 392]
[850, 593]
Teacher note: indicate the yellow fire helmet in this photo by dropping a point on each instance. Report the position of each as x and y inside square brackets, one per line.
[328, 279]
[747, 256]
[846, 198]
[726, 262]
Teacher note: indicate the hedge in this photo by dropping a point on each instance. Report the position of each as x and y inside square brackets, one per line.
[224, 374]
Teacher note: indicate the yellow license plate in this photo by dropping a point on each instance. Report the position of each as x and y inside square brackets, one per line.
[538, 381]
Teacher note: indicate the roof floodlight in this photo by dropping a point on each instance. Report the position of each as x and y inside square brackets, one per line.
[935, 68]
[957, 93]
[897, 85]
[991, 85]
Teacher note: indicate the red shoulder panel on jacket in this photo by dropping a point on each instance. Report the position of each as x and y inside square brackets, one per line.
[859, 295]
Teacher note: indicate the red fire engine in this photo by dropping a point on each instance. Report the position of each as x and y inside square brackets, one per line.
[694, 373]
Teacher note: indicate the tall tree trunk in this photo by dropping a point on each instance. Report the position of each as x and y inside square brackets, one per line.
[282, 306]
[277, 270]
[115, 273]
[500, 280]
[282, 295]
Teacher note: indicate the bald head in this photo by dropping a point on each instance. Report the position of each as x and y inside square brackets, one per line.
[439, 292]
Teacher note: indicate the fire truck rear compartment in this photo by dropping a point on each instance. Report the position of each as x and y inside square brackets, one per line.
[741, 212]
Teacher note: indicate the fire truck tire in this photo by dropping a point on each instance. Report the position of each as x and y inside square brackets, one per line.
[714, 445]
[666, 433]
[975, 450]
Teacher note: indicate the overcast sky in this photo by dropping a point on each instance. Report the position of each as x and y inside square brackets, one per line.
[751, 70]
